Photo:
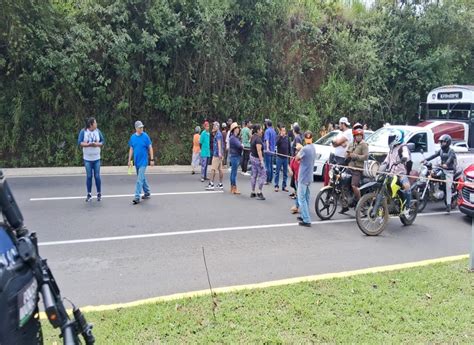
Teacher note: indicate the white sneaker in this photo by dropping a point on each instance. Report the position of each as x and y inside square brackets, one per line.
[247, 173]
[220, 186]
[210, 186]
[242, 173]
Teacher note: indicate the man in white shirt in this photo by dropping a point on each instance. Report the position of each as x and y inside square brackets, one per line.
[342, 141]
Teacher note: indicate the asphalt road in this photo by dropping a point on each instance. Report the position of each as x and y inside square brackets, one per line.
[112, 251]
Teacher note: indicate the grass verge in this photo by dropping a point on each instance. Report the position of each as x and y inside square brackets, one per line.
[430, 304]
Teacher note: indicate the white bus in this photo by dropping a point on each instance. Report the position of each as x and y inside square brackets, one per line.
[450, 109]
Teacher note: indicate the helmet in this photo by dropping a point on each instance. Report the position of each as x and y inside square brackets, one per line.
[395, 138]
[357, 129]
[445, 141]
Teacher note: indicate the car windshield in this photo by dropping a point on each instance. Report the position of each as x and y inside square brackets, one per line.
[380, 137]
[327, 139]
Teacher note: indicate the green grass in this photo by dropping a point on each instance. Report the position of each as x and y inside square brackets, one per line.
[431, 304]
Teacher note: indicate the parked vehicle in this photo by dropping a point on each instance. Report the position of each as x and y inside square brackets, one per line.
[450, 110]
[340, 187]
[433, 190]
[324, 149]
[384, 199]
[424, 143]
[466, 191]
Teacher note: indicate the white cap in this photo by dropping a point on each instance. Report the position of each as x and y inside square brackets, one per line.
[344, 120]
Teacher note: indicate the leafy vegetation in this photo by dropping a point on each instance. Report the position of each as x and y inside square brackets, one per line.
[174, 63]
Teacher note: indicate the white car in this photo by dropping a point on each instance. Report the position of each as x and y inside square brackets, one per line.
[324, 148]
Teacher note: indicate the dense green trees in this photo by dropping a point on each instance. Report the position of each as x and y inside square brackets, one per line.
[173, 63]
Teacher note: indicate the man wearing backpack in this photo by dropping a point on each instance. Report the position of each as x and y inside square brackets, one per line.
[398, 162]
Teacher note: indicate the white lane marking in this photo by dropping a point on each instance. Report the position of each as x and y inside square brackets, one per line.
[123, 195]
[101, 174]
[203, 231]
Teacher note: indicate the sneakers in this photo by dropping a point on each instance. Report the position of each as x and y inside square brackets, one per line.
[99, 197]
[202, 179]
[220, 186]
[260, 196]
[135, 201]
[246, 173]
[285, 190]
[192, 172]
[300, 219]
[448, 209]
[146, 196]
[344, 210]
[301, 223]
[88, 197]
[294, 210]
[253, 195]
[210, 186]
[277, 188]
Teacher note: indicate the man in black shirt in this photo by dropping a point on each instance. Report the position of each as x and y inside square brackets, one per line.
[283, 150]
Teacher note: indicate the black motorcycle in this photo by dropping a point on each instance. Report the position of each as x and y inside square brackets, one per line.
[429, 190]
[339, 187]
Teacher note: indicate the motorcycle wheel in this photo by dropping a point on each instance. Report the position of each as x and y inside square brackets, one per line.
[371, 226]
[413, 213]
[326, 203]
[421, 202]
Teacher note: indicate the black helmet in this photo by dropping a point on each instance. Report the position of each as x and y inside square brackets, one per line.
[445, 141]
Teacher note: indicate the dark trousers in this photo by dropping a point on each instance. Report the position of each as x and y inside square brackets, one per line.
[245, 160]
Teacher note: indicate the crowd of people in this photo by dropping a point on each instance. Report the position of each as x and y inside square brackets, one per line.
[257, 148]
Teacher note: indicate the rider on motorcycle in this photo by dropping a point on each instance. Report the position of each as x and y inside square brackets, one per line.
[356, 154]
[398, 162]
[448, 163]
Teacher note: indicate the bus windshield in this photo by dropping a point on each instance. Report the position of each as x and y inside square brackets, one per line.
[457, 111]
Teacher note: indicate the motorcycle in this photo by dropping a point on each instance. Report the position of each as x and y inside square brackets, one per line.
[429, 190]
[339, 187]
[385, 198]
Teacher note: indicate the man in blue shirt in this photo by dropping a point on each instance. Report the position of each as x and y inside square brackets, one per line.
[140, 148]
[269, 140]
[217, 157]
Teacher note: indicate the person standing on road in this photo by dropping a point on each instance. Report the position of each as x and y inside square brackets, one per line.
[270, 144]
[225, 136]
[196, 150]
[283, 151]
[306, 156]
[217, 157]
[246, 135]
[140, 148]
[259, 174]
[342, 141]
[235, 153]
[91, 140]
[226, 140]
[204, 142]
[294, 170]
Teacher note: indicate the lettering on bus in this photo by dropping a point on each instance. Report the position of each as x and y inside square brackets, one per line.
[450, 95]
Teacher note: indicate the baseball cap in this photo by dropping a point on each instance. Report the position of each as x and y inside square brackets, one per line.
[139, 124]
[344, 120]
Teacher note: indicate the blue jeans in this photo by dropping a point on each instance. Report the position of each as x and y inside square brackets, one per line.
[268, 158]
[281, 162]
[303, 201]
[234, 165]
[142, 182]
[92, 167]
[204, 167]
